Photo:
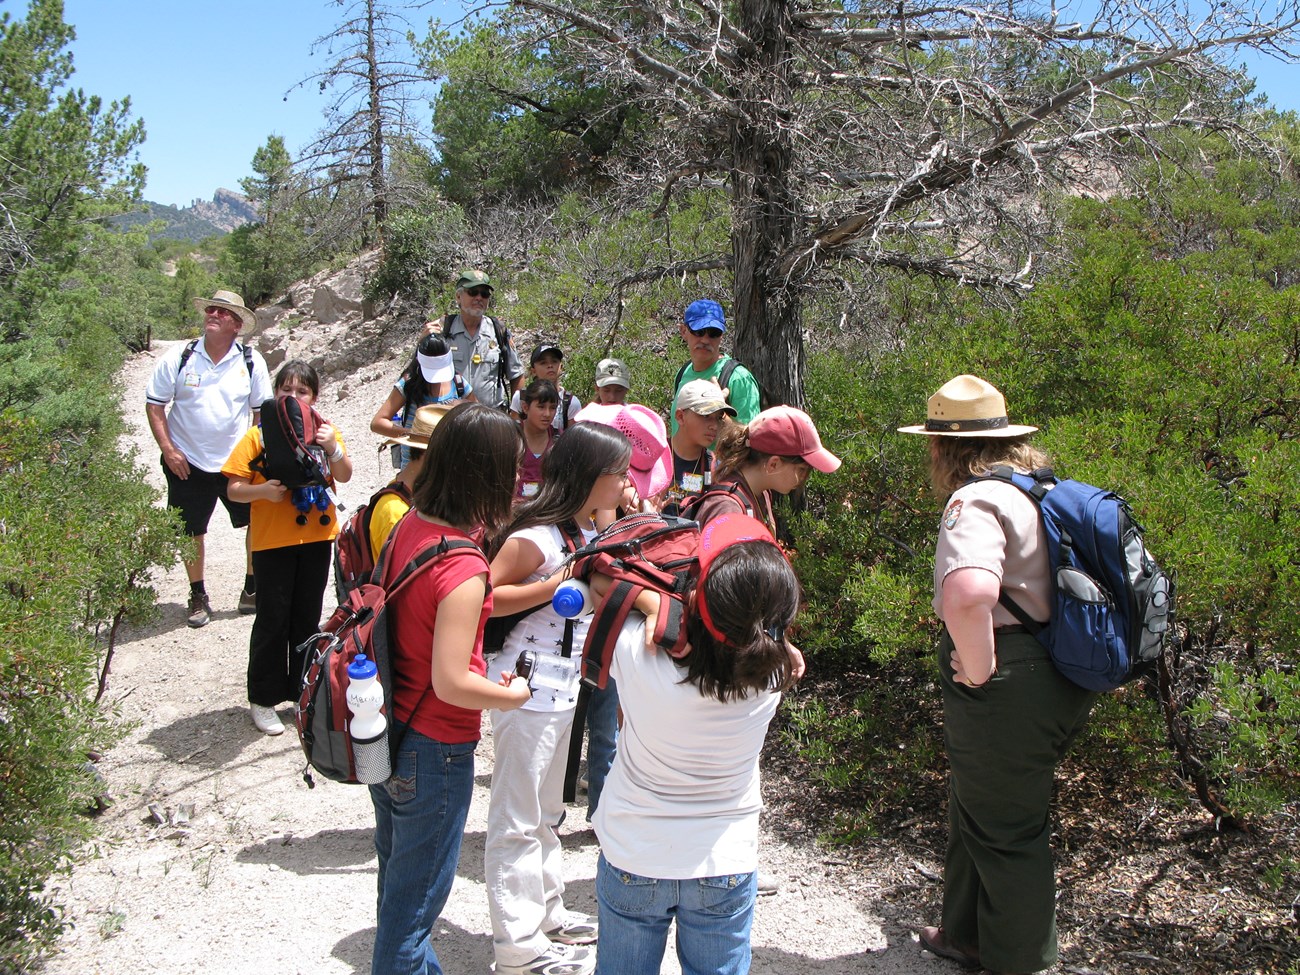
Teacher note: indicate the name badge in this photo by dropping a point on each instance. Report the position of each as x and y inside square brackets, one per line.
[531, 488]
[692, 483]
[191, 379]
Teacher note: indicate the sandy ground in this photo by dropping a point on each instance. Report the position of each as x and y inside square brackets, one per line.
[271, 876]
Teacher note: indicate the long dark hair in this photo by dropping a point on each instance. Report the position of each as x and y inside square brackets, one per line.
[580, 455]
[414, 385]
[468, 477]
[751, 590]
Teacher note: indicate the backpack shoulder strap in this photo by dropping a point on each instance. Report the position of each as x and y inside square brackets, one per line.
[724, 377]
[567, 401]
[447, 321]
[248, 357]
[423, 559]
[188, 351]
[678, 381]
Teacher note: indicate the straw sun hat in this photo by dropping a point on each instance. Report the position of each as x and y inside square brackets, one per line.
[230, 301]
[967, 407]
[426, 418]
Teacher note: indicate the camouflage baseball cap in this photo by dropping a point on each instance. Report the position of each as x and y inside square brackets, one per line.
[473, 278]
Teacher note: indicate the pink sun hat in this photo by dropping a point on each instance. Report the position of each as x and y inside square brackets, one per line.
[652, 465]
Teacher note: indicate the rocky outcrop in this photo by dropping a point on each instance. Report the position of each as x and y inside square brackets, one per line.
[326, 321]
[226, 211]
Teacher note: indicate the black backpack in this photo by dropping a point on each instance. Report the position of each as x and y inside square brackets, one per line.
[290, 453]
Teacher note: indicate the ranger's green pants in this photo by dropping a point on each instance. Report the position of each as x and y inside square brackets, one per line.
[1003, 741]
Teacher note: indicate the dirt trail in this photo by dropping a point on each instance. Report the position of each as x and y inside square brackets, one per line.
[271, 876]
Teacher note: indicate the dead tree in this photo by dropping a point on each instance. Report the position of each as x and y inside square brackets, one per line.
[905, 137]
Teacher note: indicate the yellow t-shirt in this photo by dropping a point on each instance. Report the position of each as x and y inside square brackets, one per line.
[274, 524]
[384, 516]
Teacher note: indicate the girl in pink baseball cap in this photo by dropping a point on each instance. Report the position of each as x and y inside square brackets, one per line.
[774, 453]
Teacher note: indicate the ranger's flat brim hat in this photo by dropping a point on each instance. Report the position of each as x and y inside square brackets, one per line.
[967, 407]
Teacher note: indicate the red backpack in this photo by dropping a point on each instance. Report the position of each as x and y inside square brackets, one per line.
[354, 565]
[639, 552]
[359, 625]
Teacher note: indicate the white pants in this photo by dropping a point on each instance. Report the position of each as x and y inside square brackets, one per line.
[521, 859]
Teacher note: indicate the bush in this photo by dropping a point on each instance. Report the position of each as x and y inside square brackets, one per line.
[423, 247]
[62, 592]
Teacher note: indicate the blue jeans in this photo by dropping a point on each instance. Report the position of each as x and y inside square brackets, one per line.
[419, 820]
[602, 729]
[713, 914]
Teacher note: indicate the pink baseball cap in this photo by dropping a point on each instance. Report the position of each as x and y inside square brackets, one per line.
[652, 465]
[787, 432]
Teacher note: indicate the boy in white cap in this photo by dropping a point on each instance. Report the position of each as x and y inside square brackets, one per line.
[698, 410]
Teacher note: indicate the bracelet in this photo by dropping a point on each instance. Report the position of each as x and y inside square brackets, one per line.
[337, 455]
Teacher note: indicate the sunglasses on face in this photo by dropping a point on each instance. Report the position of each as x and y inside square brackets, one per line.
[710, 333]
[479, 292]
[221, 312]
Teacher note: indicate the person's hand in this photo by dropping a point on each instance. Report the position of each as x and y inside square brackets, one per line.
[797, 664]
[273, 490]
[176, 463]
[327, 437]
[959, 673]
[431, 328]
[520, 692]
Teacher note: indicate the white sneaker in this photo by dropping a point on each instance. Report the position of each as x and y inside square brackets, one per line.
[265, 719]
[558, 960]
[577, 929]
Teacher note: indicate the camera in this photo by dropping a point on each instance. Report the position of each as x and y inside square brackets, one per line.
[546, 670]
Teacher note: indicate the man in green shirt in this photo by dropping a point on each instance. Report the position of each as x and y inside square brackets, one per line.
[702, 329]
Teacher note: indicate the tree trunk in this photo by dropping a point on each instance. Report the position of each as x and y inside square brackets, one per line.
[767, 316]
[378, 184]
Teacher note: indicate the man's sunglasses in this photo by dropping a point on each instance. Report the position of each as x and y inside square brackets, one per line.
[479, 292]
[710, 333]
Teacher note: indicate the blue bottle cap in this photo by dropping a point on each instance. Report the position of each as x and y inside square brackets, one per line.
[362, 667]
[569, 599]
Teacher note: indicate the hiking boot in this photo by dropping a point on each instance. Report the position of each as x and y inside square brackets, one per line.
[557, 960]
[577, 929]
[200, 611]
[247, 602]
[265, 719]
[767, 884]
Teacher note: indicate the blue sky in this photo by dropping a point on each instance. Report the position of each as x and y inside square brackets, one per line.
[209, 78]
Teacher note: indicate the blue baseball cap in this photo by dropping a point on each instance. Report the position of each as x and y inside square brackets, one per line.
[705, 313]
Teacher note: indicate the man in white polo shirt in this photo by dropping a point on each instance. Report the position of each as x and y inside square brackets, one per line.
[215, 386]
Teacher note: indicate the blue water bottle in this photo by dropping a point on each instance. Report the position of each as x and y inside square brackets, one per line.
[572, 599]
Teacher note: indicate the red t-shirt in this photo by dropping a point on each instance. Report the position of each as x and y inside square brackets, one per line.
[414, 612]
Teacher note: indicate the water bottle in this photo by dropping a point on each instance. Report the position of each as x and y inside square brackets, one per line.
[368, 727]
[572, 599]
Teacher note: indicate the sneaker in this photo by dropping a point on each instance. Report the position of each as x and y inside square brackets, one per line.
[767, 884]
[200, 611]
[558, 960]
[584, 785]
[247, 602]
[577, 929]
[265, 719]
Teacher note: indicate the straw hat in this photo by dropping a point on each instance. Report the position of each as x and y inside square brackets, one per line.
[967, 407]
[229, 300]
[426, 418]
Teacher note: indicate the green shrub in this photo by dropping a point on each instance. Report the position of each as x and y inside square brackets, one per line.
[423, 247]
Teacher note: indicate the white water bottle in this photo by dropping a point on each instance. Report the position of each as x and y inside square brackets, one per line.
[572, 598]
[368, 727]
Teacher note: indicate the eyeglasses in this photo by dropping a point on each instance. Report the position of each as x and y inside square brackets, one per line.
[218, 310]
[479, 292]
[710, 333]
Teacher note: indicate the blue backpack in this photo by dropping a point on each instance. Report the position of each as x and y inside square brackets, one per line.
[1112, 605]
